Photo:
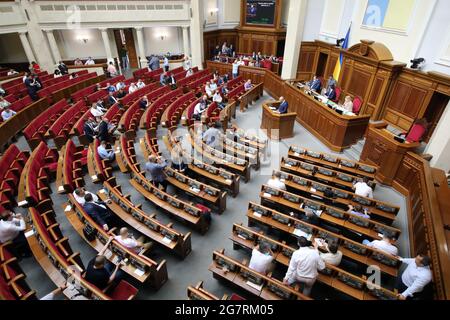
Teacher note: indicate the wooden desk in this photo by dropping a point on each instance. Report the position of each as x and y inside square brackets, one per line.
[278, 126]
[338, 132]
[384, 152]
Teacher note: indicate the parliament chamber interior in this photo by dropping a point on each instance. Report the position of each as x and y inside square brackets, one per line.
[225, 150]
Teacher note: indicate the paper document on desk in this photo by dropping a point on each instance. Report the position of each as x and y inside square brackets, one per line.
[139, 272]
[301, 233]
[255, 286]
[272, 108]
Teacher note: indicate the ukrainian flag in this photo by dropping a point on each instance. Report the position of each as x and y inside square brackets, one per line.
[337, 69]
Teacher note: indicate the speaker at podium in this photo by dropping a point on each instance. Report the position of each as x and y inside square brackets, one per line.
[278, 126]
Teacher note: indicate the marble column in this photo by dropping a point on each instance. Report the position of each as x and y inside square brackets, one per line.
[186, 47]
[53, 46]
[141, 46]
[107, 45]
[197, 33]
[296, 23]
[26, 46]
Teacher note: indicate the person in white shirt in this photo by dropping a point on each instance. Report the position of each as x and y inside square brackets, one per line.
[362, 188]
[348, 104]
[119, 85]
[235, 68]
[12, 72]
[217, 98]
[132, 88]
[189, 73]
[187, 63]
[25, 77]
[2, 91]
[7, 113]
[333, 256]
[386, 244]
[213, 136]
[415, 278]
[89, 61]
[4, 103]
[304, 266]
[166, 63]
[224, 48]
[79, 194]
[275, 182]
[78, 62]
[97, 111]
[199, 108]
[261, 260]
[128, 241]
[248, 85]
[140, 84]
[208, 89]
[12, 227]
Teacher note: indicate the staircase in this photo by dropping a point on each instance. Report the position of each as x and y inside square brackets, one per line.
[354, 152]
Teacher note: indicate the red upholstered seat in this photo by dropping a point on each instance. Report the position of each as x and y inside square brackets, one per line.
[338, 94]
[5, 292]
[123, 291]
[416, 133]
[235, 297]
[357, 104]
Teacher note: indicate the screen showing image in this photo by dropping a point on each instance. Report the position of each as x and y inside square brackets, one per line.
[260, 12]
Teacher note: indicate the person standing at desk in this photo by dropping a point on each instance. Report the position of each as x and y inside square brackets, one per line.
[283, 108]
[315, 84]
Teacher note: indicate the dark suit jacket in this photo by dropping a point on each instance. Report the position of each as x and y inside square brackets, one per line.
[331, 94]
[111, 101]
[89, 132]
[316, 85]
[103, 133]
[99, 214]
[143, 104]
[283, 107]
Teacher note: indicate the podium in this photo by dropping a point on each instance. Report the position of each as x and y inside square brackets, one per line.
[383, 151]
[278, 126]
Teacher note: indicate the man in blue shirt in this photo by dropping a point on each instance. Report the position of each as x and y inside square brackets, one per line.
[283, 108]
[104, 153]
[155, 169]
[315, 84]
[166, 63]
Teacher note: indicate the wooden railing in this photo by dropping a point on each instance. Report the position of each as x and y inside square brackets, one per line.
[428, 197]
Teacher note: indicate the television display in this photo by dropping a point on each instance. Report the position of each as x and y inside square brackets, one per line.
[260, 12]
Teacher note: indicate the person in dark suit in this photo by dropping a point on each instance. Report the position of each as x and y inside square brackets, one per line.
[172, 81]
[315, 84]
[103, 132]
[331, 93]
[32, 87]
[100, 213]
[310, 217]
[89, 130]
[63, 68]
[143, 104]
[283, 108]
[112, 100]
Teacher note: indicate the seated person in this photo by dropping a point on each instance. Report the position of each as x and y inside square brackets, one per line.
[225, 90]
[143, 104]
[98, 211]
[172, 81]
[57, 74]
[80, 193]
[213, 85]
[102, 273]
[140, 84]
[248, 85]
[119, 85]
[262, 258]
[4, 103]
[97, 111]
[89, 129]
[164, 78]
[283, 107]
[358, 211]
[315, 84]
[217, 98]
[386, 244]
[105, 153]
[12, 227]
[348, 104]
[208, 89]
[7, 113]
[12, 72]
[275, 182]
[112, 100]
[89, 61]
[362, 188]
[333, 256]
[331, 93]
[3, 91]
[133, 88]
[121, 94]
[78, 62]
[310, 217]
[200, 107]
[416, 277]
[128, 241]
[189, 73]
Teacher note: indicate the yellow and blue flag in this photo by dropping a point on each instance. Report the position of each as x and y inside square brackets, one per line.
[337, 69]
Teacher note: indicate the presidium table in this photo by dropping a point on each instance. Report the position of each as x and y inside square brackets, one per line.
[278, 126]
[336, 129]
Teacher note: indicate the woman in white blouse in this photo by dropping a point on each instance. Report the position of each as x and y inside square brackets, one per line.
[97, 111]
[348, 104]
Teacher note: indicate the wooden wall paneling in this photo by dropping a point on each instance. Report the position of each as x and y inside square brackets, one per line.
[307, 61]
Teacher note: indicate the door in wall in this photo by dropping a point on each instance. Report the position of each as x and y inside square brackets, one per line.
[124, 37]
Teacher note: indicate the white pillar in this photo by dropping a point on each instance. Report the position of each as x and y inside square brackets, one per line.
[105, 38]
[186, 48]
[197, 33]
[296, 22]
[439, 144]
[141, 46]
[53, 46]
[26, 46]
